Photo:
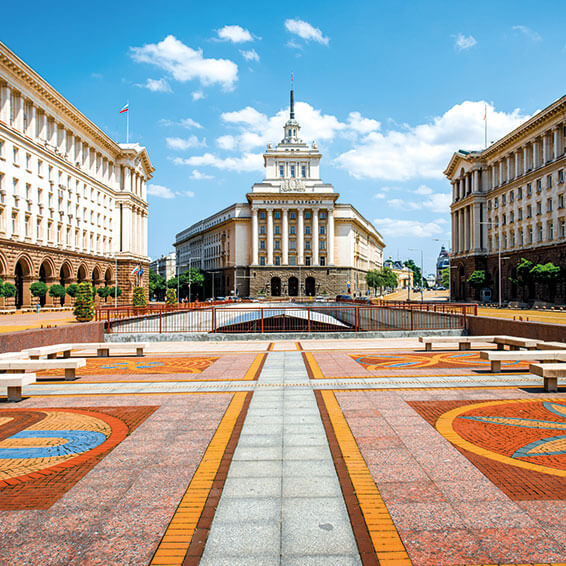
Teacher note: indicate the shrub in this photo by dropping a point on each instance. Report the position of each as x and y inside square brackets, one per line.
[57, 291]
[139, 297]
[171, 298]
[84, 303]
[72, 290]
[38, 289]
[9, 290]
[104, 292]
[115, 291]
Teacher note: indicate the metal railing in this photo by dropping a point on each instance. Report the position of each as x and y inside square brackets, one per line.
[279, 318]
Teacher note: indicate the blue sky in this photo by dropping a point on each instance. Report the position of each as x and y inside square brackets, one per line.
[388, 90]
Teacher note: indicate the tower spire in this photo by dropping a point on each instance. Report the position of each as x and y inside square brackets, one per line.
[292, 105]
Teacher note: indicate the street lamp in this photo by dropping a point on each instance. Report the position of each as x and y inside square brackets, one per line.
[499, 258]
[422, 270]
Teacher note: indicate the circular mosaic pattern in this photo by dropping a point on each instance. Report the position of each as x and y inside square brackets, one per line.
[523, 433]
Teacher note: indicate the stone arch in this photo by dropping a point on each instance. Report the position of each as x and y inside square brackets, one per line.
[23, 274]
[96, 275]
[81, 273]
[3, 266]
[108, 277]
[275, 287]
[46, 275]
[293, 286]
[65, 277]
[310, 287]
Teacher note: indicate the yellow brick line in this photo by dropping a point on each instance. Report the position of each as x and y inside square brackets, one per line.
[177, 538]
[384, 536]
[315, 369]
[250, 374]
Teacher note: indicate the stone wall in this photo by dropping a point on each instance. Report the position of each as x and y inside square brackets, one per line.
[85, 332]
[480, 326]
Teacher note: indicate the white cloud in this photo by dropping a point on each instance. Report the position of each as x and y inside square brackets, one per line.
[185, 64]
[246, 162]
[528, 32]
[182, 144]
[397, 228]
[436, 202]
[160, 191]
[226, 142]
[423, 190]
[379, 196]
[424, 150]
[250, 55]
[197, 95]
[362, 125]
[464, 42]
[189, 194]
[306, 31]
[156, 85]
[235, 34]
[196, 175]
[187, 123]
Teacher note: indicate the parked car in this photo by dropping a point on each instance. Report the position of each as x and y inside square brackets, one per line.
[320, 299]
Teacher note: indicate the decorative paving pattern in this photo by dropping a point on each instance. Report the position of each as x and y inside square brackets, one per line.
[520, 445]
[44, 452]
[429, 360]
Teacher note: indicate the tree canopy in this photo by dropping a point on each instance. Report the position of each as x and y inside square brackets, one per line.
[417, 274]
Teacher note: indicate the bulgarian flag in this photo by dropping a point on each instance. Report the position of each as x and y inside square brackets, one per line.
[136, 270]
[125, 109]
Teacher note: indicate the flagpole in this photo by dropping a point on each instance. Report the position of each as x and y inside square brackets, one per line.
[485, 125]
[128, 122]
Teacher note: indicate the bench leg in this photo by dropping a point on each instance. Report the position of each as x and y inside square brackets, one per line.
[69, 374]
[514, 348]
[428, 347]
[551, 384]
[67, 354]
[495, 366]
[464, 345]
[51, 356]
[501, 346]
[103, 352]
[14, 393]
[139, 352]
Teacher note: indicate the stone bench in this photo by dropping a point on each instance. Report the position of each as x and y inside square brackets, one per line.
[14, 383]
[102, 349]
[550, 374]
[17, 366]
[551, 346]
[464, 342]
[13, 356]
[496, 357]
[515, 343]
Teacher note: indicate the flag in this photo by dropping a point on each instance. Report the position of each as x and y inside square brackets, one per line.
[125, 109]
[136, 270]
[140, 272]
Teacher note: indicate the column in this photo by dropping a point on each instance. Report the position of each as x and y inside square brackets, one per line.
[466, 229]
[476, 181]
[255, 249]
[517, 163]
[285, 229]
[315, 242]
[270, 237]
[127, 178]
[71, 147]
[545, 157]
[461, 230]
[476, 226]
[525, 160]
[454, 231]
[301, 236]
[32, 122]
[556, 139]
[19, 112]
[535, 156]
[126, 227]
[53, 137]
[500, 165]
[330, 237]
[5, 100]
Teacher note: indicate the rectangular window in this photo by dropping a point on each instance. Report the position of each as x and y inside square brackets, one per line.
[277, 260]
[28, 161]
[303, 171]
[539, 208]
[262, 215]
[529, 211]
[539, 185]
[521, 238]
[560, 201]
[322, 244]
[322, 260]
[292, 244]
[277, 215]
[292, 215]
[529, 189]
[308, 245]
[560, 173]
[520, 214]
[549, 181]
[292, 260]
[550, 231]
[281, 171]
[307, 260]
[277, 244]
[262, 244]
[292, 230]
[519, 193]
[563, 228]
[322, 214]
[262, 260]
[323, 230]
[262, 230]
[511, 196]
[16, 156]
[307, 230]
[307, 215]
[292, 171]
[503, 200]
[278, 230]
[549, 205]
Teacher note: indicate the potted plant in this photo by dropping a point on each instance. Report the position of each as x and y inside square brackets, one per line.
[84, 303]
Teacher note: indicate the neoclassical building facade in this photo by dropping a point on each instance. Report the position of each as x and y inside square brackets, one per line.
[73, 203]
[508, 203]
[291, 237]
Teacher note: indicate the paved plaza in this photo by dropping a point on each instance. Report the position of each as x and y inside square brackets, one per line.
[316, 452]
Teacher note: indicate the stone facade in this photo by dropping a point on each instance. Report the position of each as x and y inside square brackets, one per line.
[509, 202]
[291, 224]
[72, 201]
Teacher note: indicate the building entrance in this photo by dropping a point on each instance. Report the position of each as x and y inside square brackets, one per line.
[293, 286]
[310, 287]
[275, 287]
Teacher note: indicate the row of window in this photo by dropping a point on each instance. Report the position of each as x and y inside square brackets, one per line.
[277, 260]
[292, 230]
[526, 236]
[293, 171]
[510, 197]
[292, 244]
[510, 217]
[292, 215]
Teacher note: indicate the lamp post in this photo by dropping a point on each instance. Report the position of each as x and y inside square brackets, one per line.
[499, 259]
[115, 280]
[422, 270]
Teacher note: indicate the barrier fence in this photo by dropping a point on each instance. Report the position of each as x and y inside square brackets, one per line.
[206, 318]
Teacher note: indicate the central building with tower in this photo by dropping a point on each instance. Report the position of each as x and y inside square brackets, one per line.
[291, 237]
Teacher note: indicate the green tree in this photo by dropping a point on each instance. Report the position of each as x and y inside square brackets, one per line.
[524, 276]
[445, 277]
[38, 289]
[478, 278]
[157, 285]
[190, 278]
[171, 298]
[373, 279]
[84, 303]
[546, 274]
[104, 292]
[115, 291]
[389, 278]
[417, 275]
[9, 290]
[72, 290]
[138, 298]
[57, 291]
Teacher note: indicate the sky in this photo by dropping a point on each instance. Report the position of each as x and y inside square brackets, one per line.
[389, 90]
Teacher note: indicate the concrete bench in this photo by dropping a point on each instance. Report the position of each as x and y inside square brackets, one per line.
[14, 383]
[13, 356]
[16, 366]
[496, 357]
[550, 374]
[515, 343]
[551, 346]
[464, 342]
[102, 349]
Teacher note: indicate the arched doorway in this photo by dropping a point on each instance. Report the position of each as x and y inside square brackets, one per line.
[310, 287]
[43, 279]
[293, 286]
[275, 287]
[22, 273]
[108, 278]
[81, 274]
[64, 278]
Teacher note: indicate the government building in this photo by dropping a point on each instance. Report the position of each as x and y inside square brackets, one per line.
[73, 203]
[508, 204]
[291, 238]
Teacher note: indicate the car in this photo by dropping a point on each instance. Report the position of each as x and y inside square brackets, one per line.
[320, 299]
